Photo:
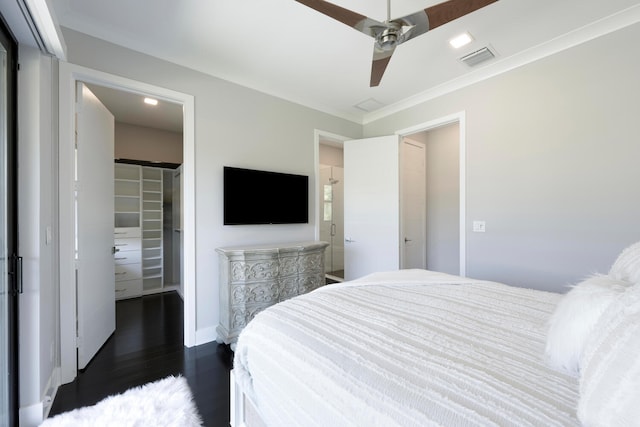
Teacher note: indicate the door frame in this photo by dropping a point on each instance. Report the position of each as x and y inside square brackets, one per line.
[69, 74]
[459, 118]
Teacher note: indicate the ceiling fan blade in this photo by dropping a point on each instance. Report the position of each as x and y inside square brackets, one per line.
[435, 16]
[419, 23]
[365, 25]
[379, 64]
[453, 9]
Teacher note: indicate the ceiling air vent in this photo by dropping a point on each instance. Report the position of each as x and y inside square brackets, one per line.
[369, 105]
[477, 57]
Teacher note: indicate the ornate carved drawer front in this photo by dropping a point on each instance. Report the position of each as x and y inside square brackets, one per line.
[310, 282]
[254, 293]
[256, 277]
[288, 288]
[243, 315]
[313, 262]
[242, 271]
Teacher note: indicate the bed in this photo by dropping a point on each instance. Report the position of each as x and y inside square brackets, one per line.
[419, 348]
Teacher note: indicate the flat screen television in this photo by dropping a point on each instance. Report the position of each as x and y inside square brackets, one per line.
[263, 197]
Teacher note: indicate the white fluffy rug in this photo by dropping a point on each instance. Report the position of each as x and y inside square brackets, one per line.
[167, 402]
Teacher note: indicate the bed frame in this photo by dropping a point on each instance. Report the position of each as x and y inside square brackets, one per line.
[243, 412]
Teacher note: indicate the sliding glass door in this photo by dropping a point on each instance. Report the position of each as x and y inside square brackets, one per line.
[10, 267]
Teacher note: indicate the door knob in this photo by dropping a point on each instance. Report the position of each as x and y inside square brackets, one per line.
[407, 240]
[347, 240]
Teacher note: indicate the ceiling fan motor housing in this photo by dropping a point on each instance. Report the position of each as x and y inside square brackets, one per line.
[389, 38]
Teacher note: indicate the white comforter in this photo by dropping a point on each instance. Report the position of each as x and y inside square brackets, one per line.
[409, 348]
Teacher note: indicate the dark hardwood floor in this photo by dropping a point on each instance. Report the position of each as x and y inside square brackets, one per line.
[148, 346]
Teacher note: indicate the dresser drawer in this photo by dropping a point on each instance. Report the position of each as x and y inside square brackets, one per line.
[128, 244]
[128, 272]
[127, 257]
[126, 232]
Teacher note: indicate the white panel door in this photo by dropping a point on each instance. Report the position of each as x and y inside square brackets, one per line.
[371, 206]
[94, 210]
[414, 205]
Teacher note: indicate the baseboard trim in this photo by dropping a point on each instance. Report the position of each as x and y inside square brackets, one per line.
[50, 392]
[206, 335]
[34, 415]
[31, 416]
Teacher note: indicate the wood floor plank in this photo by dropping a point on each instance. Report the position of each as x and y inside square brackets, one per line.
[147, 346]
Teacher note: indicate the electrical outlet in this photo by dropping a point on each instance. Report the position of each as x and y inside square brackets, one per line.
[479, 226]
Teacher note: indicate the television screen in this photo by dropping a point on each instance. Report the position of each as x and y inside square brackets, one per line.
[262, 197]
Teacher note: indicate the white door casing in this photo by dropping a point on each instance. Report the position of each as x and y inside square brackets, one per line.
[350, 248]
[371, 206]
[460, 119]
[94, 207]
[69, 74]
[413, 205]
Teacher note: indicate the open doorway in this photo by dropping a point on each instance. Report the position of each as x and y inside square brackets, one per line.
[437, 204]
[445, 191]
[69, 76]
[148, 156]
[330, 201]
[456, 193]
[331, 205]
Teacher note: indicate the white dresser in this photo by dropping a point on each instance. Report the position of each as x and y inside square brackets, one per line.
[253, 278]
[128, 262]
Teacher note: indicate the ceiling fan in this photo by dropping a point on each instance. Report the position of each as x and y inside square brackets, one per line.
[393, 32]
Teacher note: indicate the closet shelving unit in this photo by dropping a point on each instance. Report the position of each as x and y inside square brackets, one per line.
[152, 251]
[126, 233]
[127, 196]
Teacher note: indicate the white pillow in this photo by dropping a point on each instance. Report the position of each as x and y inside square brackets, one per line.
[610, 380]
[574, 319]
[627, 265]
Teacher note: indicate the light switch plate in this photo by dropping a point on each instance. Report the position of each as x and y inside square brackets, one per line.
[479, 226]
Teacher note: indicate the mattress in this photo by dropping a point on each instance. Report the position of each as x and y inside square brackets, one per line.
[408, 348]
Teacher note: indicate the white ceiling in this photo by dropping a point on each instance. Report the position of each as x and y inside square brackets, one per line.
[130, 108]
[286, 49]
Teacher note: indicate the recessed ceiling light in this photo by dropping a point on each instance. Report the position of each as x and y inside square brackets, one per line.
[461, 40]
[151, 101]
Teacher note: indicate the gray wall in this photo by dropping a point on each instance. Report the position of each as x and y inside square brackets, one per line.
[143, 143]
[37, 210]
[552, 153]
[235, 126]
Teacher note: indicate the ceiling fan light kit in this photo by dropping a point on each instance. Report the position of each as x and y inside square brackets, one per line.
[393, 32]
